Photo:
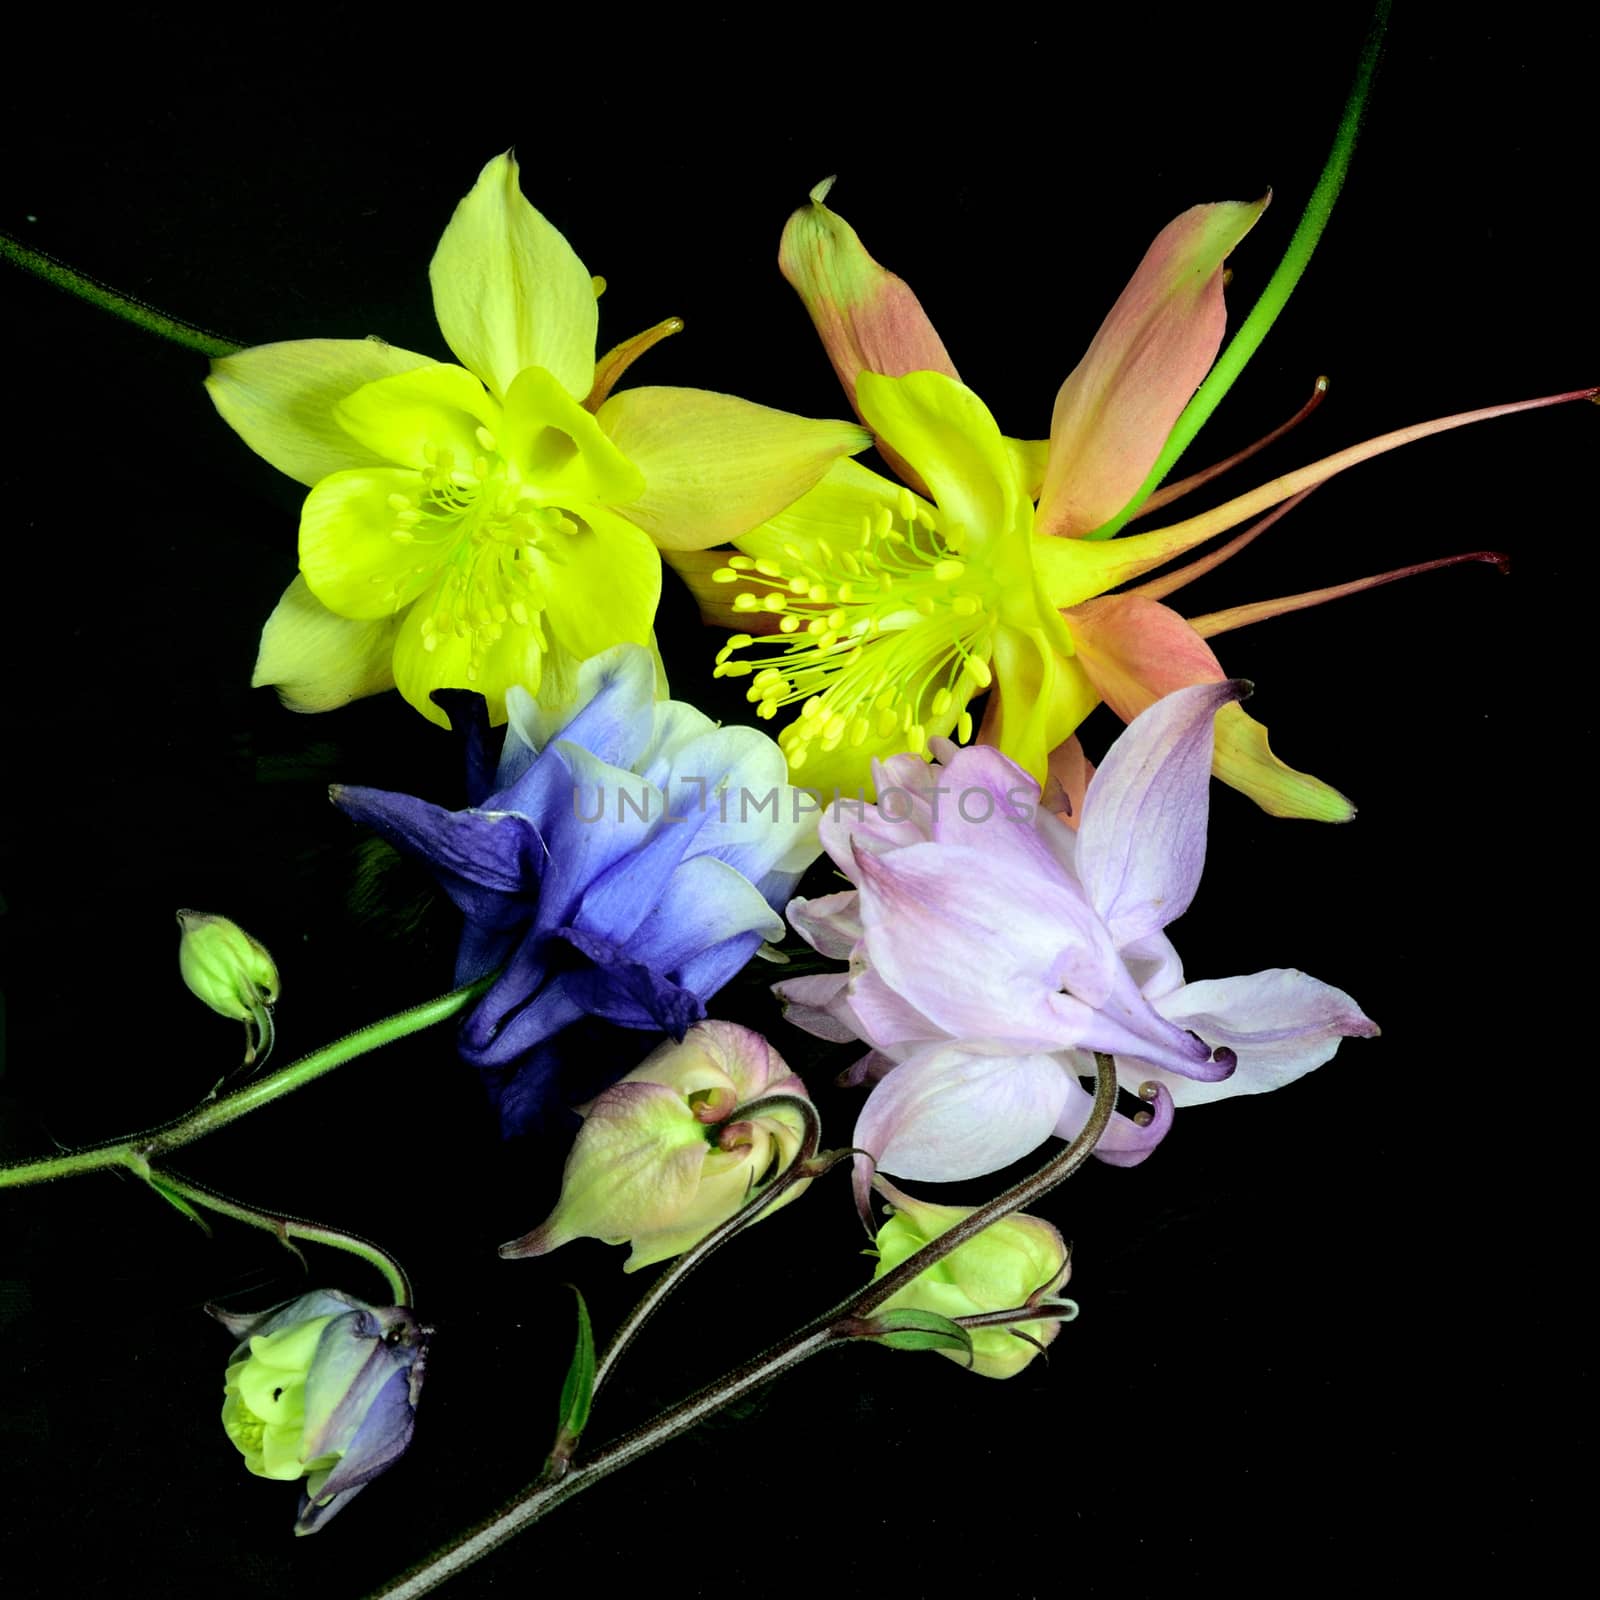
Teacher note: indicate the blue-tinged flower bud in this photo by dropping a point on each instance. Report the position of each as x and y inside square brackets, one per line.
[1013, 1263]
[658, 1162]
[324, 1387]
[232, 973]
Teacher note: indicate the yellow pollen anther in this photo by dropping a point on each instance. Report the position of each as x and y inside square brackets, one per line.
[773, 602]
[400, 502]
[964, 728]
[768, 569]
[948, 571]
[485, 438]
[908, 506]
[789, 625]
[746, 602]
[818, 593]
[916, 737]
[941, 702]
[979, 672]
[724, 575]
[741, 563]
[965, 605]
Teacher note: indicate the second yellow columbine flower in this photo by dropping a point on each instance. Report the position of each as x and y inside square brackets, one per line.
[494, 523]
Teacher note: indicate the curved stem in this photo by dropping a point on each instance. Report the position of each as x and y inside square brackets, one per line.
[838, 1326]
[758, 1206]
[118, 304]
[1280, 285]
[143, 1148]
[287, 1228]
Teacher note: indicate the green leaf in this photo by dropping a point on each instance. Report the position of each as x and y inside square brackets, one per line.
[911, 1329]
[578, 1390]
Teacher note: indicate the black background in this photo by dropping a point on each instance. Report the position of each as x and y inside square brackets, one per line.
[1320, 1329]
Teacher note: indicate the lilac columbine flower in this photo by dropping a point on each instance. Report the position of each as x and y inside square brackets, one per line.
[992, 950]
[624, 862]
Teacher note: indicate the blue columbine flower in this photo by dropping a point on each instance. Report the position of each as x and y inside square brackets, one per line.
[623, 862]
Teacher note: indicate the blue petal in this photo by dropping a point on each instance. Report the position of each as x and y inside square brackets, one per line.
[468, 712]
[619, 899]
[705, 903]
[615, 723]
[629, 992]
[488, 863]
[497, 1037]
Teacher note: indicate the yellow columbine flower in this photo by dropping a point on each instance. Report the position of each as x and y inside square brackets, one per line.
[880, 613]
[495, 523]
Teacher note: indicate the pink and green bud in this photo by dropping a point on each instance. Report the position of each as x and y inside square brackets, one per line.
[1014, 1264]
[323, 1388]
[662, 1158]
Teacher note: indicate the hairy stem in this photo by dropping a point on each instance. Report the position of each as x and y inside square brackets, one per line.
[837, 1326]
[141, 1149]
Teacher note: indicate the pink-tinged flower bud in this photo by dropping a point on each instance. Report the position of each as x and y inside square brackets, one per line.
[1015, 1262]
[660, 1161]
[323, 1388]
[232, 973]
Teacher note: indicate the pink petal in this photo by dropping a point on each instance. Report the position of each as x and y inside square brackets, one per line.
[982, 947]
[829, 923]
[1281, 1023]
[947, 1114]
[1142, 841]
[868, 317]
[1114, 412]
[814, 1004]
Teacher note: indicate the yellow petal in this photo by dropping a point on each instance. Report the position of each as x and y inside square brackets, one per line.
[318, 661]
[606, 586]
[1039, 699]
[830, 512]
[953, 443]
[1028, 460]
[279, 399]
[404, 418]
[716, 466]
[1244, 760]
[349, 554]
[510, 292]
[464, 660]
[559, 448]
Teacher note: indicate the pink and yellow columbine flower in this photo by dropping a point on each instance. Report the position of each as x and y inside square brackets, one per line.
[495, 523]
[882, 612]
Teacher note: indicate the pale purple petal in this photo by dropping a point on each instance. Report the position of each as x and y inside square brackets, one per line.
[947, 1114]
[1155, 965]
[1281, 1023]
[814, 1004]
[988, 802]
[983, 947]
[829, 923]
[1142, 840]
[1125, 1143]
[886, 1019]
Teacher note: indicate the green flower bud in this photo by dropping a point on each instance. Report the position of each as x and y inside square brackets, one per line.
[658, 1163]
[232, 973]
[1013, 1263]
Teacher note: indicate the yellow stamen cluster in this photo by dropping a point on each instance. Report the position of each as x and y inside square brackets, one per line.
[484, 527]
[884, 640]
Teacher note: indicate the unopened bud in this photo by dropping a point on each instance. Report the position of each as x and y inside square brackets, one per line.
[1013, 1263]
[658, 1162]
[232, 973]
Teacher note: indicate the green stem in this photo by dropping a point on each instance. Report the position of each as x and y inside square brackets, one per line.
[118, 304]
[143, 1148]
[287, 1228]
[1280, 286]
[837, 1327]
